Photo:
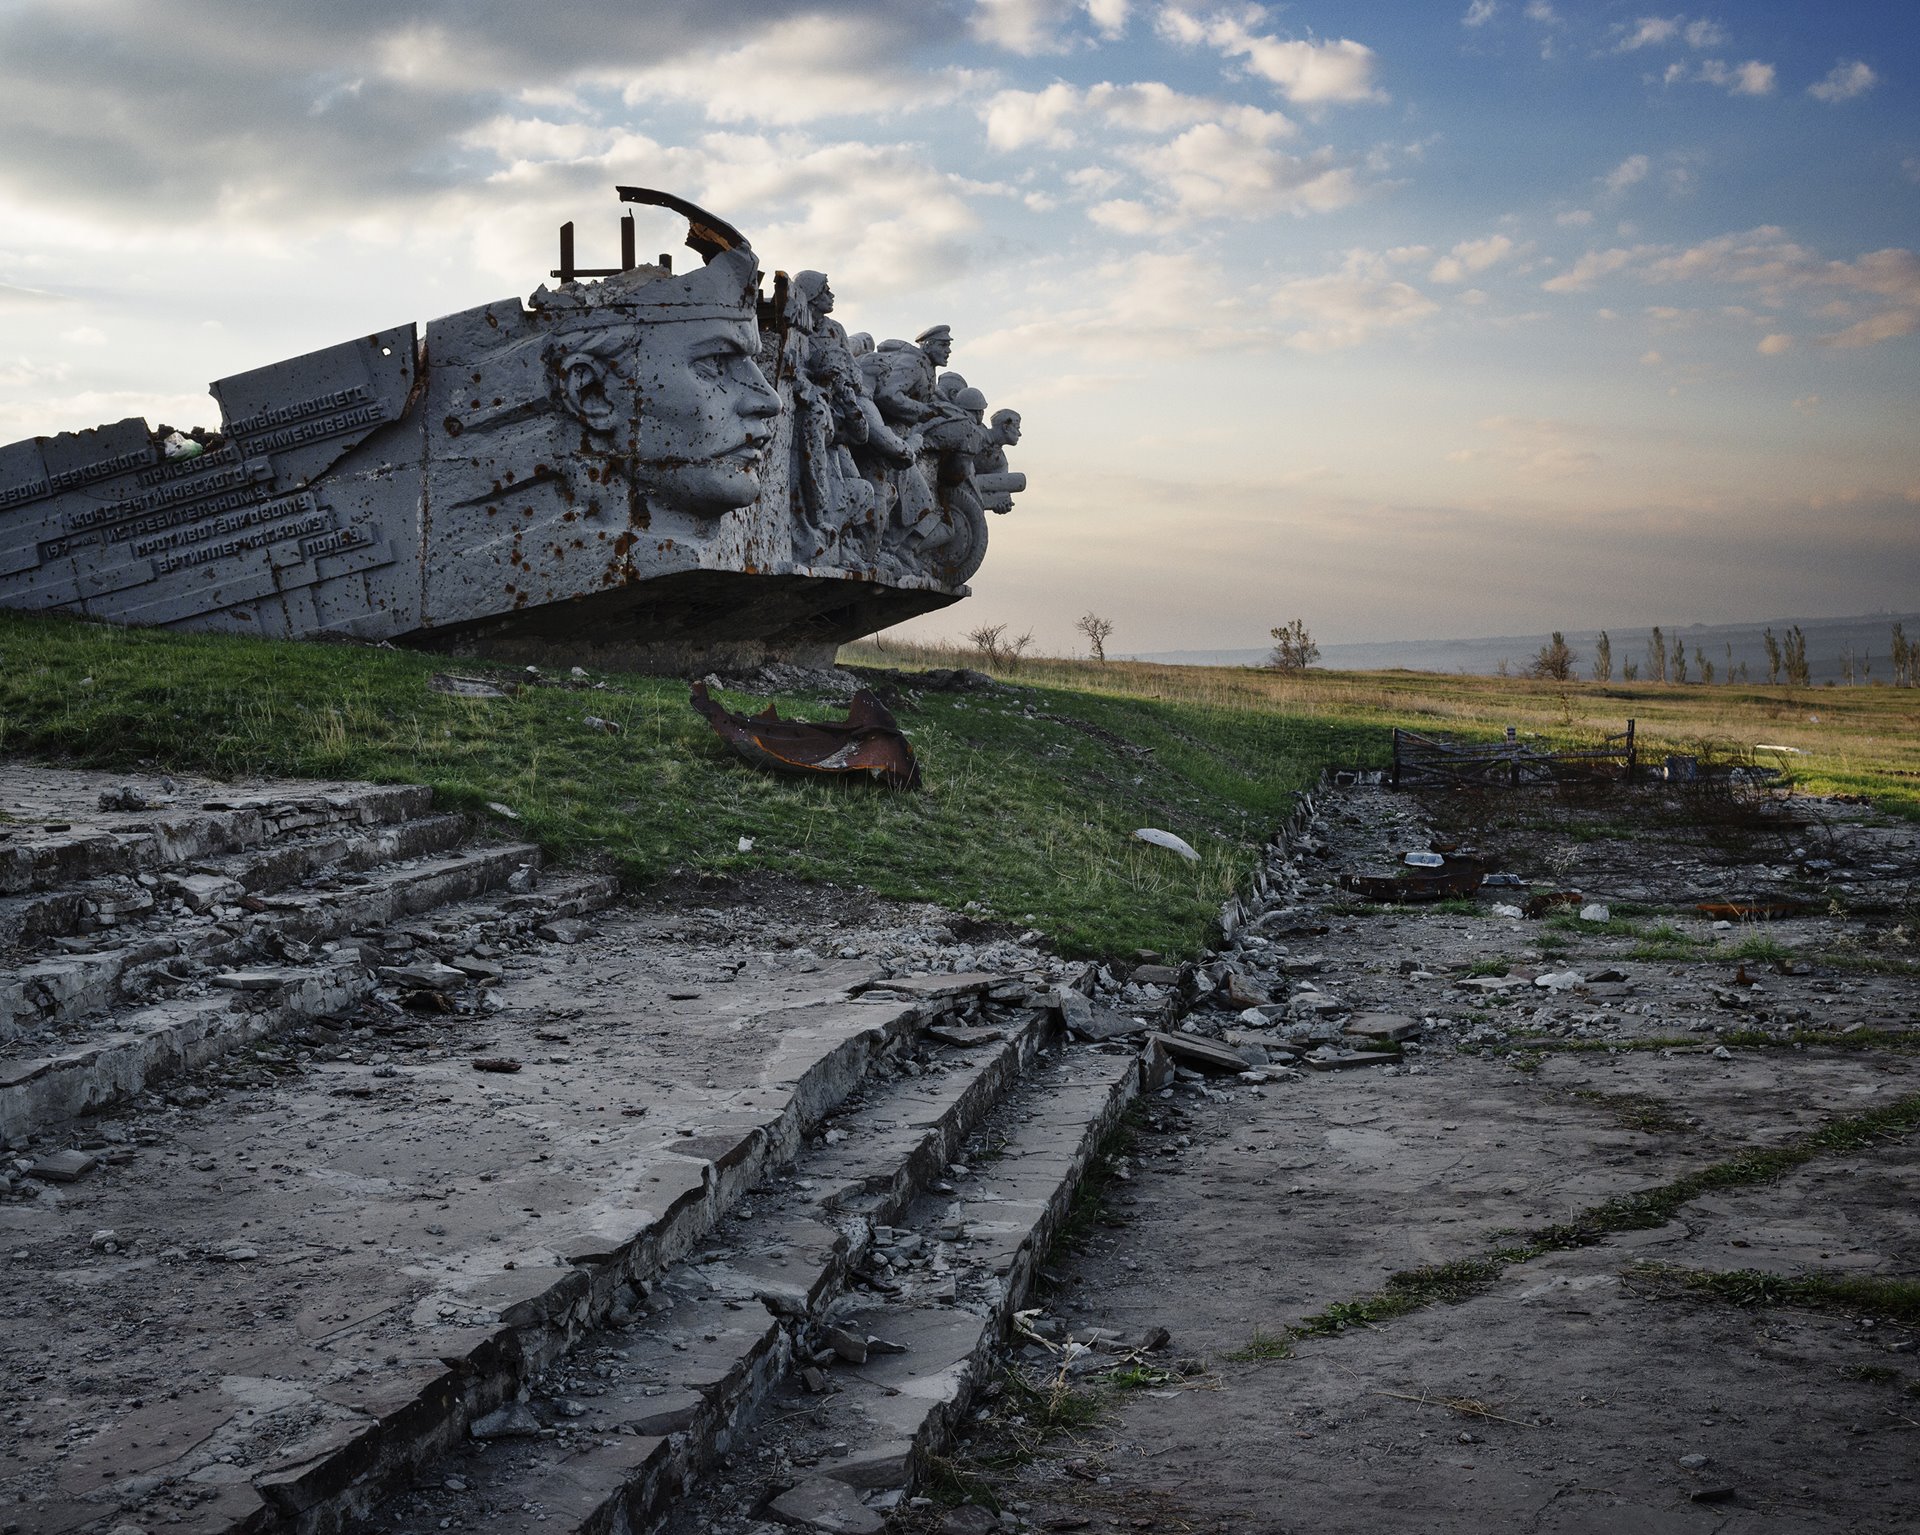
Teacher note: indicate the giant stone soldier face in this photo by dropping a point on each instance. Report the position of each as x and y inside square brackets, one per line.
[682, 404]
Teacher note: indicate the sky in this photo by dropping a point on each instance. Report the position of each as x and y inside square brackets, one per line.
[1409, 320]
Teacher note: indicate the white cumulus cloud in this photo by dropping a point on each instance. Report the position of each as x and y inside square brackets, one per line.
[1479, 13]
[1308, 73]
[1471, 256]
[1628, 172]
[1844, 81]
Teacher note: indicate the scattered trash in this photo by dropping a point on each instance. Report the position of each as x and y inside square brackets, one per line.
[1503, 882]
[1456, 876]
[1500, 909]
[504, 811]
[605, 727]
[1425, 860]
[471, 687]
[1551, 901]
[745, 844]
[869, 741]
[1167, 840]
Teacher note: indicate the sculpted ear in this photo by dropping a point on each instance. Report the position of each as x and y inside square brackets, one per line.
[584, 378]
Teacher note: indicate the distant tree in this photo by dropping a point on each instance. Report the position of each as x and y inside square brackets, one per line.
[1680, 662]
[1503, 667]
[1793, 656]
[996, 650]
[1903, 659]
[1098, 631]
[1706, 666]
[1846, 664]
[1603, 658]
[1293, 648]
[1743, 671]
[1729, 663]
[1773, 657]
[1656, 656]
[1629, 671]
[1555, 661]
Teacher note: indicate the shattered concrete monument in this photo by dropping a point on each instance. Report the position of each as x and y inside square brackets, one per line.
[634, 468]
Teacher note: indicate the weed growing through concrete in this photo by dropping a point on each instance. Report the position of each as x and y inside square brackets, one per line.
[1863, 1295]
[1413, 1289]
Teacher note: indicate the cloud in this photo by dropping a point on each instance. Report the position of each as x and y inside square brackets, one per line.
[1629, 172]
[1017, 118]
[275, 114]
[1844, 81]
[1234, 170]
[1534, 448]
[800, 70]
[1031, 27]
[1658, 31]
[14, 296]
[1573, 218]
[1593, 266]
[1774, 344]
[1749, 79]
[1157, 303]
[1541, 11]
[1471, 256]
[1479, 13]
[1346, 308]
[1125, 216]
[1305, 73]
[1779, 270]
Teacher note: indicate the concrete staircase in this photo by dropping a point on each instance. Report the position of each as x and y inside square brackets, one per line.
[361, 1175]
[141, 945]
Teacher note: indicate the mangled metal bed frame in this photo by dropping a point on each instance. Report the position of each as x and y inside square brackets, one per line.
[1421, 761]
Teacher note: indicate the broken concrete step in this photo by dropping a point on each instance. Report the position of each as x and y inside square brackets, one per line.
[136, 1049]
[674, 1391]
[416, 1318]
[73, 986]
[905, 1138]
[878, 1425]
[129, 843]
[162, 1041]
[103, 905]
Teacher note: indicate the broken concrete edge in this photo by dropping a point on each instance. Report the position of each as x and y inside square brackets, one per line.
[1255, 890]
[940, 1428]
[325, 1495]
[37, 1095]
[179, 835]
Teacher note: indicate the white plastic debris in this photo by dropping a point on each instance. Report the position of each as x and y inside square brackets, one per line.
[1503, 910]
[1560, 980]
[1426, 860]
[1595, 911]
[605, 727]
[1167, 840]
[506, 811]
[746, 844]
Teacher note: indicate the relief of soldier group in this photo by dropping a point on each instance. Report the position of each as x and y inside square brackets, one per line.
[604, 435]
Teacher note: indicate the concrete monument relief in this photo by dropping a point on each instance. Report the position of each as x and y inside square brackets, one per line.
[633, 468]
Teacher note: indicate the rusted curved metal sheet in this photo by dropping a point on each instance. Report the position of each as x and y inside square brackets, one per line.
[868, 741]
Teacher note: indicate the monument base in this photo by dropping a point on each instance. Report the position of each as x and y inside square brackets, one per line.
[692, 622]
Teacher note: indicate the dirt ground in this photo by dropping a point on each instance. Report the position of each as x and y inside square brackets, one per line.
[1618, 1380]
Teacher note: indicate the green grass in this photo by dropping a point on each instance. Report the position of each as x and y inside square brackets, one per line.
[1892, 1300]
[1027, 816]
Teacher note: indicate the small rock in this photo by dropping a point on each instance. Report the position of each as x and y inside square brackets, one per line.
[250, 980]
[968, 1520]
[824, 1504]
[1595, 911]
[513, 1421]
[432, 977]
[1722, 1053]
[1694, 1462]
[849, 1347]
[63, 1166]
[564, 930]
[1559, 980]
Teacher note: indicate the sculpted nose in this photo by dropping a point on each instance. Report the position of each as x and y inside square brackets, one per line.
[758, 398]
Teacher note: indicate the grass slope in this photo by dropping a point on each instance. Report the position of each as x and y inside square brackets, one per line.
[1030, 794]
